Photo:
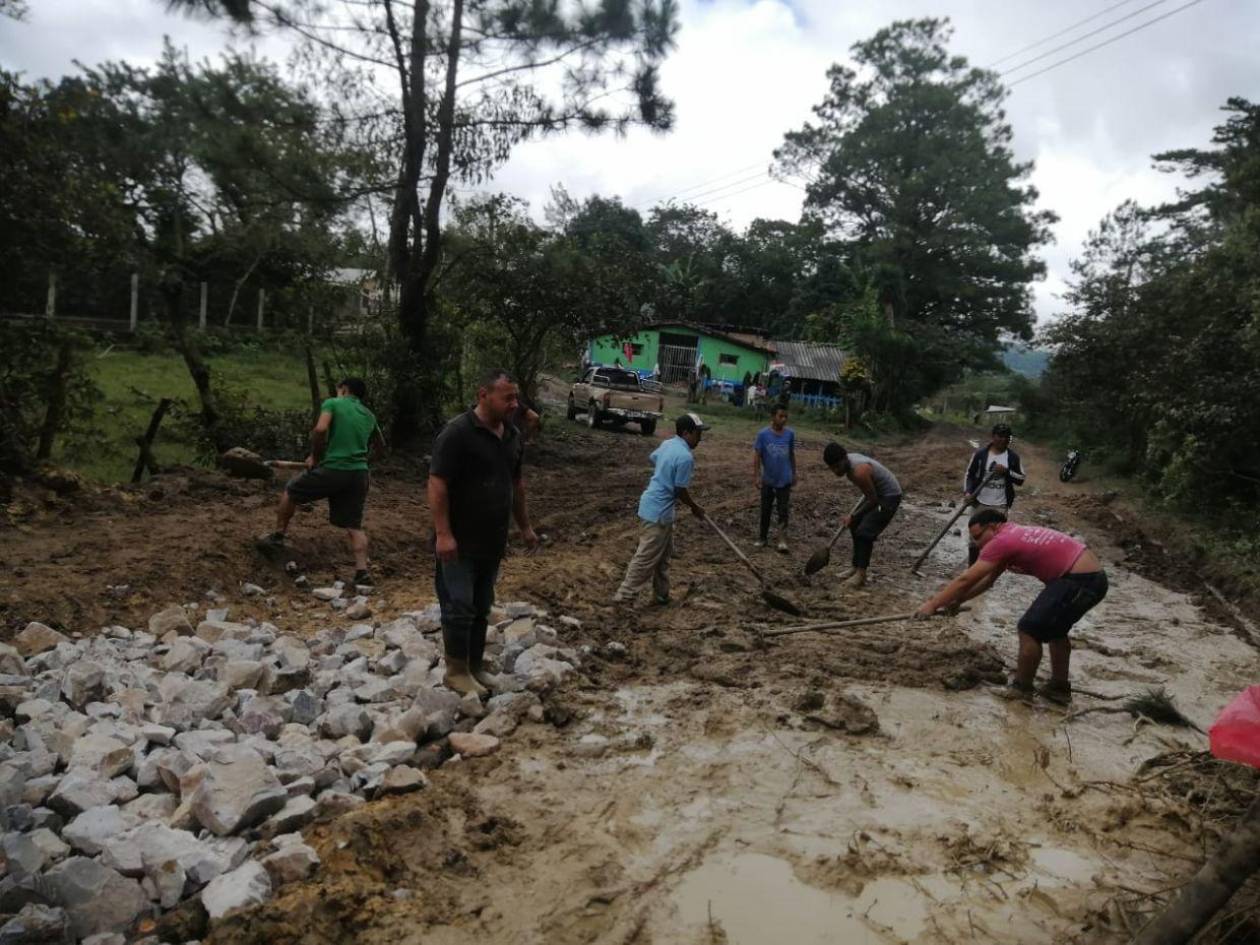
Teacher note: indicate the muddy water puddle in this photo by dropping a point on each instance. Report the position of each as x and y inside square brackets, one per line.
[754, 899]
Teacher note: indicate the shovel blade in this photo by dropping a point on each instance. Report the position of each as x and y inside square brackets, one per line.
[779, 602]
[245, 464]
[818, 560]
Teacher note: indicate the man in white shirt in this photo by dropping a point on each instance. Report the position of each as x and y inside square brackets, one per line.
[999, 461]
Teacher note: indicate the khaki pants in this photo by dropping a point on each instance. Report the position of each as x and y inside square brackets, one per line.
[651, 560]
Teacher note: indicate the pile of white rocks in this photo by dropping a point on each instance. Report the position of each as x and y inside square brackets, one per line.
[142, 768]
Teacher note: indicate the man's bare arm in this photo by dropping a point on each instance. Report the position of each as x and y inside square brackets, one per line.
[319, 438]
[440, 510]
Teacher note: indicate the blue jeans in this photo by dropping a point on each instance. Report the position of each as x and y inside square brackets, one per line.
[465, 590]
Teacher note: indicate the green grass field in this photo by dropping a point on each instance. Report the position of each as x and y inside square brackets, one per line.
[133, 383]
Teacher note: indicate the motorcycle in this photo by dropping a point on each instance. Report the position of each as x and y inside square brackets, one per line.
[1068, 469]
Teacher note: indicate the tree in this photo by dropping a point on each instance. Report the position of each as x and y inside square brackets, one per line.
[910, 160]
[215, 164]
[1159, 359]
[470, 79]
[181, 173]
[521, 290]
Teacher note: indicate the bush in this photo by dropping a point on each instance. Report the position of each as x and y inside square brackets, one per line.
[38, 361]
[274, 434]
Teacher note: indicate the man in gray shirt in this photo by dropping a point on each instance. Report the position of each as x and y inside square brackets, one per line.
[881, 497]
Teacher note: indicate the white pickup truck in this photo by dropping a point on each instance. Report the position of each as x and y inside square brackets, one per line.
[616, 396]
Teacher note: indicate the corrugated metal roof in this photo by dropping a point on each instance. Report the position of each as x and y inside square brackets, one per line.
[812, 361]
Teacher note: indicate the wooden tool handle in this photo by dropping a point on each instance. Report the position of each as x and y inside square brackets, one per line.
[840, 531]
[735, 548]
[950, 524]
[844, 624]
[284, 464]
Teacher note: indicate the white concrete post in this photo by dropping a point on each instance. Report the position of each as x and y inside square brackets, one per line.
[135, 300]
[50, 307]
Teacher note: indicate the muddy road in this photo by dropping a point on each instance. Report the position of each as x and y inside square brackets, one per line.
[699, 783]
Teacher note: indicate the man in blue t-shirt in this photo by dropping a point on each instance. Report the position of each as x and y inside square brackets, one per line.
[668, 486]
[774, 472]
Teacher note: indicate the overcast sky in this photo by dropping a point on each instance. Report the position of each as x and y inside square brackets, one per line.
[746, 71]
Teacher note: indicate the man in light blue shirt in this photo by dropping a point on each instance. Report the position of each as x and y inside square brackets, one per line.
[674, 463]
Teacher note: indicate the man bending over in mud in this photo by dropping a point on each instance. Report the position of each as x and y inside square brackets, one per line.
[668, 486]
[1074, 583]
[475, 489]
[337, 470]
[882, 497]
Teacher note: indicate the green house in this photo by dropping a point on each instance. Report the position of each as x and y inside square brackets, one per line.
[677, 348]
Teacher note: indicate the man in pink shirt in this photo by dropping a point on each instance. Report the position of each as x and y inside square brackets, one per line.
[1074, 582]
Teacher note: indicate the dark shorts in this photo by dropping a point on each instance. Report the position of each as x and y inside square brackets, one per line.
[345, 489]
[1061, 604]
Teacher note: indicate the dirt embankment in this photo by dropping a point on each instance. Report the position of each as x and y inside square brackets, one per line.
[702, 783]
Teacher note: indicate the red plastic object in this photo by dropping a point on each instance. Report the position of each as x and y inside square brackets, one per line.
[1235, 735]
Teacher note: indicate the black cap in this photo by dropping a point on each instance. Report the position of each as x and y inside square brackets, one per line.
[1002, 429]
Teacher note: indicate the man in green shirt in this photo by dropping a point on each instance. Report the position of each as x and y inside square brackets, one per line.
[336, 470]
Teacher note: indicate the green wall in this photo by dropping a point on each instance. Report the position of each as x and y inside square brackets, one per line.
[747, 360]
[606, 351]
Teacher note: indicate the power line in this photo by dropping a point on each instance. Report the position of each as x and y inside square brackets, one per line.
[1080, 39]
[735, 183]
[702, 184]
[769, 180]
[1107, 42]
[1052, 36]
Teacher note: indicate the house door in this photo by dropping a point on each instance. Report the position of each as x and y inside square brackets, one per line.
[677, 357]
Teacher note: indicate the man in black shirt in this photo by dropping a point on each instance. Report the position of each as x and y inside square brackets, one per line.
[475, 487]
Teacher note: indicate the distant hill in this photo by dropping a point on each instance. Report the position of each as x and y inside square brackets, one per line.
[1030, 362]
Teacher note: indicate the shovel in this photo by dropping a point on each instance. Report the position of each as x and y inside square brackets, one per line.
[820, 558]
[963, 507]
[777, 601]
[247, 464]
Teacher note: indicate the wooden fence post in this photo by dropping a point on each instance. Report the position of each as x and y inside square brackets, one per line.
[50, 307]
[135, 300]
[201, 314]
[145, 442]
[310, 320]
[262, 295]
[56, 401]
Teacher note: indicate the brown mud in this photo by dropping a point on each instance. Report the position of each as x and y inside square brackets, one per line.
[701, 783]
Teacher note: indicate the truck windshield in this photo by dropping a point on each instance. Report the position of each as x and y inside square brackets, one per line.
[626, 379]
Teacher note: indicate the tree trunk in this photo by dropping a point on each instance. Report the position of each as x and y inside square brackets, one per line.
[1233, 863]
[56, 401]
[198, 370]
[416, 260]
[313, 380]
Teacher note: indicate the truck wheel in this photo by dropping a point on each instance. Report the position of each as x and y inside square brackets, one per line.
[647, 427]
[571, 413]
[592, 416]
